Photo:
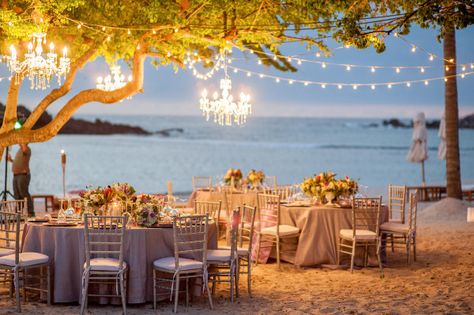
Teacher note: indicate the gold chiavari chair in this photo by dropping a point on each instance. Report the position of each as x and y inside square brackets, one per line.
[270, 181]
[396, 203]
[202, 183]
[270, 227]
[213, 210]
[364, 232]
[224, 262]
[404, 234]
[104, 256]
[16, 264]
[190, 240]
[15, 206]
[284, 191]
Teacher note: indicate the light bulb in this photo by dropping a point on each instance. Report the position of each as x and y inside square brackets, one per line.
[348, 67]
[51, 47]
[389, 86]
[426, 82]
[130, 78]
[290, 81]
[318, 54]
[422, 69]
[397, 70]
[354, 87]
[413, 48]
[372, 69]
[249, 74]
[204, 93]
[431, 57]
[323, 65]
[299, 61]
[306, 83]
[408, 84]
[372, 87]
[277, 80]
[339, 86]
[323, 86]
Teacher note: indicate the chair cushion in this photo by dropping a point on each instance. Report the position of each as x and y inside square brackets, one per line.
[284, 230]
[26, 259]
[106, 264]
[240, 250]
[168, 263]
[395, 220]
[6, 251]
[219, 255]
[364, 235]
[394, 227]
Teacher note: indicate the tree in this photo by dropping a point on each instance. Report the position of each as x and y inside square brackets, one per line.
[166, 31]
[445, 15]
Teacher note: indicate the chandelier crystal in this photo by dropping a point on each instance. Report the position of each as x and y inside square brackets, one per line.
[39, 68]
[224, 110]
[115, 80]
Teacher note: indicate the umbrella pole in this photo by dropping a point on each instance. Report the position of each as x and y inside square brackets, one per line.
[423, 172]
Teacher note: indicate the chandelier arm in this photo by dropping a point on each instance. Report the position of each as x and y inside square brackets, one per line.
[55, 94]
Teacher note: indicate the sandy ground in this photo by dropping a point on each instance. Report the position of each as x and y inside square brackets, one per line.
[441, 281]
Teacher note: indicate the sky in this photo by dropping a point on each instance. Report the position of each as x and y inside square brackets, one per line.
[169, 93]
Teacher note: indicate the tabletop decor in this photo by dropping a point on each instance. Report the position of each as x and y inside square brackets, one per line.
[326, 189]
[99, 200]
[233, 177]
[255, 178]
[147, 211]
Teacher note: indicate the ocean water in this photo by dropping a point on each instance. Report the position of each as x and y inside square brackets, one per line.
[290, 148]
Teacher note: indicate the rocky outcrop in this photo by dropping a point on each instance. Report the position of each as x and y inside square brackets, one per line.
[97, 127]
[467, 122]
[464, 123]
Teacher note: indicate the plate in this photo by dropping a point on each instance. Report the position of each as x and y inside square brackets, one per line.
[295, 205]
[38, 220]
[62, 224]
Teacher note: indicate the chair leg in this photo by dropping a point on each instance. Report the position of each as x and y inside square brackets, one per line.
[25, 284]
[209, 296]
[338, 253]
[48, 284]
[176, 295]
[85, 283]
[16, 279]
[414, 247]
[393, 246]
[154, 289]
[379, 259]
[187, 294]
[231, 282]
[123, 295]
[408, 249]
[249, 273]
[237, 276]
[353, 255]
[278, 251]
[366, 255]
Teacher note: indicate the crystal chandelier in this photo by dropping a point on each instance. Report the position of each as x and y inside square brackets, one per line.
[224, 110]
[38, 68]
[113, 81]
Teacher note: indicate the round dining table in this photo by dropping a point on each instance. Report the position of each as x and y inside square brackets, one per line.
[319, 227]
[66, 249]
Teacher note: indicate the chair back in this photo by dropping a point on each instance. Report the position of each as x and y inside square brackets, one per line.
[202, 182]
[396, 201]
[269, 210]
[284, 191]
[413, 207]
[10, 232]
[190, 237]
[104, 237]
[15, 206]
[270, 181]
[247, 224]
[212, 209]
[366, 214]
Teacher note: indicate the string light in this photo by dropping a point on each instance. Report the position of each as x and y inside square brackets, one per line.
[372, 69]
[318, 55]
[372, 86]
[397, 70]
[422, 70]
[348, 68]
[426, 82]
[431, 57]
[413, 48]
[323, 86]
[323, 65]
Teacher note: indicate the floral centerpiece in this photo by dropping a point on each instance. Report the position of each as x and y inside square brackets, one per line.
[233, 176]
[255, 178]
[326, 188]
[97, 198]
[148, 208]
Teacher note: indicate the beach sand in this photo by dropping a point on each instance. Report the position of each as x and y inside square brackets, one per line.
[441, 281]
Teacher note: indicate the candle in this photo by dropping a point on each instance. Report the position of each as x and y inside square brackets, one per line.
[470, 214]
[65, 52]
[63, 157]
[170, 188]
[51, 48]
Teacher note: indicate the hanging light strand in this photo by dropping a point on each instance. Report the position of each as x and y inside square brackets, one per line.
[341, 84]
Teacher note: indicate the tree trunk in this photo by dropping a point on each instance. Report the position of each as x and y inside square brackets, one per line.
[453, 163]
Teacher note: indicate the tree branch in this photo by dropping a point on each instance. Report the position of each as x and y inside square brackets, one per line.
[59, 92]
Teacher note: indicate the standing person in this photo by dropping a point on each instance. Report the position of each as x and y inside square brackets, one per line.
[22, 176]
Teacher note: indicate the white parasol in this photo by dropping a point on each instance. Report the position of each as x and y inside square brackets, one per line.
[442, 138]
[418, 151]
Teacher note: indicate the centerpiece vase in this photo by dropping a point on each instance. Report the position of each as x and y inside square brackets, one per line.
[330, 197]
